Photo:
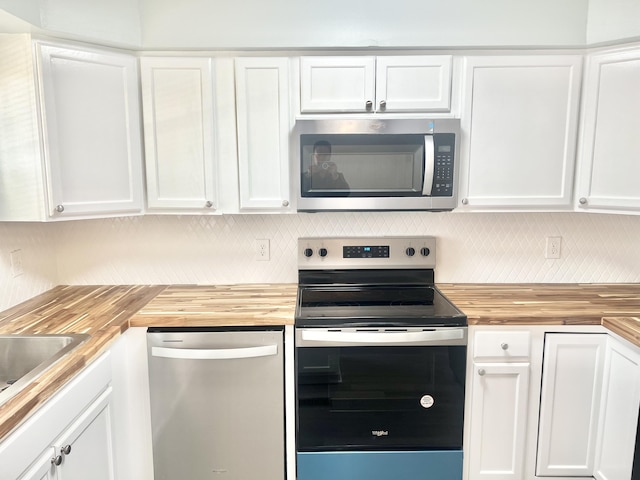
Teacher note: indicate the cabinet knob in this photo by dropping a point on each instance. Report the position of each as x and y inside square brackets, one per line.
[383, 104]
[57, 460]
[583, 201]
[285, 203]
[481, 372]
[465, 201]
[60, 208]
[504, 346]
[369, 104]
[209, 204]
[66, 449]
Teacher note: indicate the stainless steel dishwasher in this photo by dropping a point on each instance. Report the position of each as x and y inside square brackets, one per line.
[217, 403]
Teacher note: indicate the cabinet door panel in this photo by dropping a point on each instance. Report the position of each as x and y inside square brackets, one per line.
[521, 117]
[569, 404]
[177, 96]
[262, 92]
[498, 421]
[43, 468]
[611, 144]
[92, 131]
[413, 83]
[620, 403]
[89, 439]
[337, 84]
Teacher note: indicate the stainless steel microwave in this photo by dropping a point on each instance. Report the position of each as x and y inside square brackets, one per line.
[366, 164]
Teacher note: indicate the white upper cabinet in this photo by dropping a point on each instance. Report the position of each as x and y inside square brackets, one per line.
[264, 123]
[91, 123]
[179, 120]
[609, 159]
[69, 132]
[375, 84]
[519, 121]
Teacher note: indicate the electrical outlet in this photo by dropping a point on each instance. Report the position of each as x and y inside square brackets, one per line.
[16, 262]
[262, 249]
[554, 245]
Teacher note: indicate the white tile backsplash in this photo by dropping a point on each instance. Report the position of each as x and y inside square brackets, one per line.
[492, 247]
[497, 247]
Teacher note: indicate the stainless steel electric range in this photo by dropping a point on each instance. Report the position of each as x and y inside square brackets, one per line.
[380, 362]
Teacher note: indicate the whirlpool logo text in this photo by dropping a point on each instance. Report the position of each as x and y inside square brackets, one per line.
[380, 433]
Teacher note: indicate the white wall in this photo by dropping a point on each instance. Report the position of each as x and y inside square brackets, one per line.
[36, 243]
[611, 20]
[115, 22]
[361, 23]
[471, 247]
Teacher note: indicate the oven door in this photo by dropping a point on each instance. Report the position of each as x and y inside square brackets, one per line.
[380, 389]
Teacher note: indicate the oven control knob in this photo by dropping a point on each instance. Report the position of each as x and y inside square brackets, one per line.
[308, 252]
[410, 251]
[322, 252]
[424, 251]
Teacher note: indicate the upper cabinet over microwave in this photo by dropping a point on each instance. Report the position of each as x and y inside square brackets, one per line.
[375, 84]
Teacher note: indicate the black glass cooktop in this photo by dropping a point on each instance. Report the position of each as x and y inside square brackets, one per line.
[379, 305]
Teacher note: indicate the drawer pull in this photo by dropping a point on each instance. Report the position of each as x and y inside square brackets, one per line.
[504, 346]
[481, 372]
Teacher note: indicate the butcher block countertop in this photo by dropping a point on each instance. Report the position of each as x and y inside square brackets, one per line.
[104, 312]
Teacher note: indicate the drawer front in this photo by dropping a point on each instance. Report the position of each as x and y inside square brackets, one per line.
[502, 344]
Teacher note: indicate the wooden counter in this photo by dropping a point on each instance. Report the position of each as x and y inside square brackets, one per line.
[104, 312]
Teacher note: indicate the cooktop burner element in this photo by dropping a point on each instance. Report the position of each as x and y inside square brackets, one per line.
[382, 281]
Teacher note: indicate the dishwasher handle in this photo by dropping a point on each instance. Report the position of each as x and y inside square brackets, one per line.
[214, 353]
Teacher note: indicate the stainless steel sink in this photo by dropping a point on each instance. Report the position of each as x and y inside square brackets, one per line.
[24, 357]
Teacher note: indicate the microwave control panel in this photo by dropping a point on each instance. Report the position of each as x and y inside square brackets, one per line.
[444, 146]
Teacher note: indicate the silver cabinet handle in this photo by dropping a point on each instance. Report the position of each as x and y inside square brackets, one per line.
[60, 208]
[209, 204]
[214, 353]
[481, 372]
[66, 449]
[465, 201]
[57, 460]
[369, 104]
[583, 201]
[383, 104]
[285, 203]
[504, 346]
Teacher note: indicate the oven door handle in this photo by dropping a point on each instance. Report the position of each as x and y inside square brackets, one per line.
[214, 353]
[351, 337]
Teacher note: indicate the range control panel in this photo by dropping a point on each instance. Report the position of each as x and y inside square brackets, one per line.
[316, 253]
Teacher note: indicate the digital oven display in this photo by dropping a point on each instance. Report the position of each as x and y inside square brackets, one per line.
[361, 251]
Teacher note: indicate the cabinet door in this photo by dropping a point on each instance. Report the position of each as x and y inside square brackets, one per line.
[86, 447]
[520, 115]
[90, 111]
[609, 166]
[263, 116]
[619, 412]
[569, 403]
[178, 111]
[413, 84]
[44, 468]
[498, 421]
[337, 84]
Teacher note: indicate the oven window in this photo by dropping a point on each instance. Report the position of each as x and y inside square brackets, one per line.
[380, 398]
[361, 165]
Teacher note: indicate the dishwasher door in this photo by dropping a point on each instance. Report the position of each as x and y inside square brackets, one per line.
[217, 403]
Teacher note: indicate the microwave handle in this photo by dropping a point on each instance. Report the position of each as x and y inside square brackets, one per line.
[429, 165]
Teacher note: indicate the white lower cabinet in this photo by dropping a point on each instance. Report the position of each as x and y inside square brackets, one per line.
[499, 403]
[570, 403]
[619, 412]
[70, 436]
[83, 451]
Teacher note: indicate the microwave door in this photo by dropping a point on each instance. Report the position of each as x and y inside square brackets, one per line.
[429, 165]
